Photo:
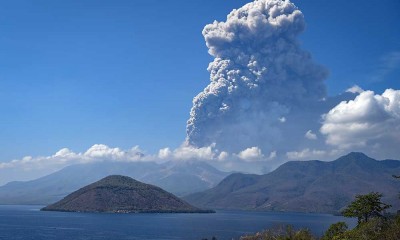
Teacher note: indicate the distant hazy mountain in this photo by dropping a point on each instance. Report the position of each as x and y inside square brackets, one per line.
[305, 186]
[180, 178]
[121, 194]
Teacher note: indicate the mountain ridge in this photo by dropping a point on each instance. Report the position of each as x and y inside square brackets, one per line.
[305, 186]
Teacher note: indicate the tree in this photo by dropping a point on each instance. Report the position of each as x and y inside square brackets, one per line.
[366, 207]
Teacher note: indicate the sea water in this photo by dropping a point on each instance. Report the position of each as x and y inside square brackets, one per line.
[28, 222]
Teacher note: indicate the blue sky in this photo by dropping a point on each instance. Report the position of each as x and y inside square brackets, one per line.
[124, 73]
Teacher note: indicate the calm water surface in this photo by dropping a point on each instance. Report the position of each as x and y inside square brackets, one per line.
[27, 222]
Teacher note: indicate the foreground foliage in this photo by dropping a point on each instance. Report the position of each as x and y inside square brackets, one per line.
[288, 233]
[373, 224]
[336, 229]
[374, 229]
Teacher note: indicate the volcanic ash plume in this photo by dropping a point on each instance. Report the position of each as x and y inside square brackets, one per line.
[258, 77]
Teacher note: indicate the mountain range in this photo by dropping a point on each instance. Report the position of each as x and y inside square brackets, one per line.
[178, 177]
[300, 186]
[305, 186]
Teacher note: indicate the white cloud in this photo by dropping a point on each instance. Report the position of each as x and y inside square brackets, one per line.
[223, 156]
[65, 153]
[272, 155]
[30, 167]
[306, 154]
[42, 165]
[368, 120]
[164, 153]
[355, 89]
[6, 164]
[189, 152]
[103, 151]
[64, 156]
[310, 135]
[251, 154]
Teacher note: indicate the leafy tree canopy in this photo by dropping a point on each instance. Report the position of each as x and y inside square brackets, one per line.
[366, 206]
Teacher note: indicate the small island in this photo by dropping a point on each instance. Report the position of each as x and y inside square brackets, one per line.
[121, 194]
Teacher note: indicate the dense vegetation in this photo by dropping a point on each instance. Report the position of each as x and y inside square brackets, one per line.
[375, 229]
[282, 234]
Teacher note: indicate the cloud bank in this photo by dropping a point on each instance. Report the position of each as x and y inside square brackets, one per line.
[370, 121]
[98, 152]
[259, 76]
[30, 167]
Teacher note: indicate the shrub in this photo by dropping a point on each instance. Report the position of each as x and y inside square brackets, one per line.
[336, 230]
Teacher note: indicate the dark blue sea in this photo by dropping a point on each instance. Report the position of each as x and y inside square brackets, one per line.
[27, 222]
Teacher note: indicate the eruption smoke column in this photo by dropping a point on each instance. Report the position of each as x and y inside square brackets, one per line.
[258, 77]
